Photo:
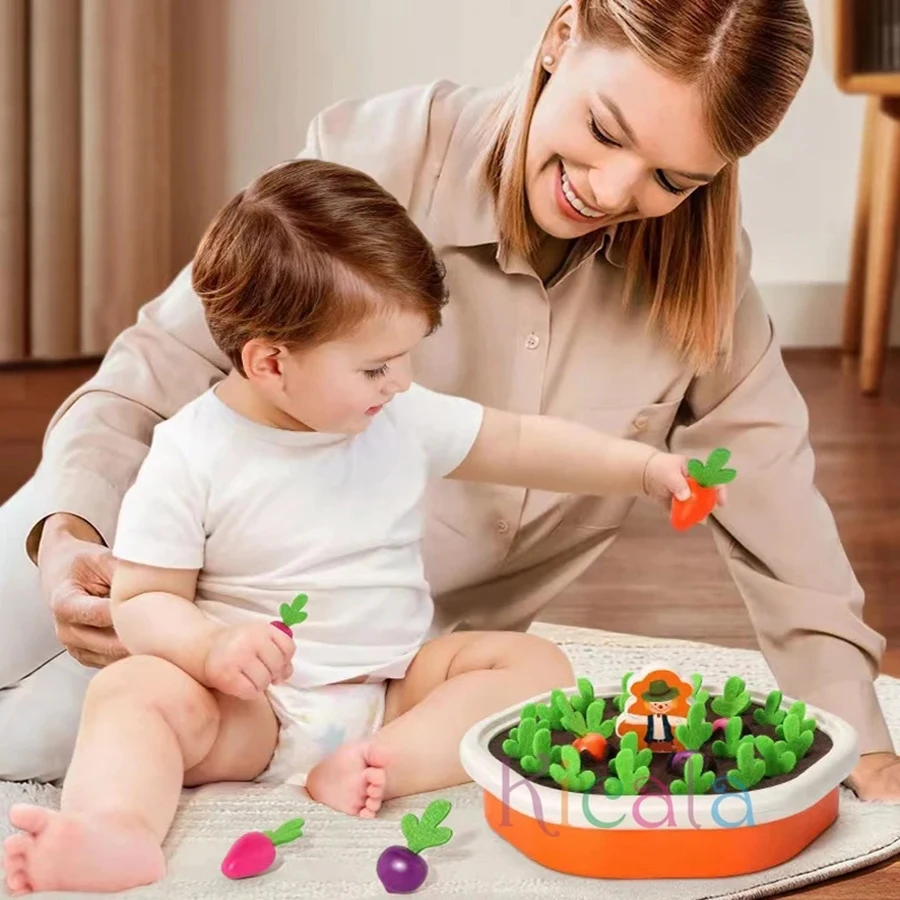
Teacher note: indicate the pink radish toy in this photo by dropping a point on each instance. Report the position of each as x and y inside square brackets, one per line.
[253, 853]
[291, 614]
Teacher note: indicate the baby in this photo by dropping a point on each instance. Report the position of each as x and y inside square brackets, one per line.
[296, 484]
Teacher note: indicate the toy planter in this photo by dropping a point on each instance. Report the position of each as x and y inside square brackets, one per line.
[660, 778]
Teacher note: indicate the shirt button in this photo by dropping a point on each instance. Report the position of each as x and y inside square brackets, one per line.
[532, 341]
[640, 423]
[502, 526]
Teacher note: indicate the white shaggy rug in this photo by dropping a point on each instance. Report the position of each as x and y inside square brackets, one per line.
[336, 856]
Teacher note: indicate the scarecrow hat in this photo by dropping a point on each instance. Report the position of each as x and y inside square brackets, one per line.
[659, 692]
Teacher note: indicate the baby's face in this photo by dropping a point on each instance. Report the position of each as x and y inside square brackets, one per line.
[340, 386]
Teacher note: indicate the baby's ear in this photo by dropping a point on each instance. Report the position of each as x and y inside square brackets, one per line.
[262, 360]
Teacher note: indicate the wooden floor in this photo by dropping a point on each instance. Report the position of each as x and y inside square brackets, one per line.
[857, 442]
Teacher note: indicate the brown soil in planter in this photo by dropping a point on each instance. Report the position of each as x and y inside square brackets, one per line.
[660, 776]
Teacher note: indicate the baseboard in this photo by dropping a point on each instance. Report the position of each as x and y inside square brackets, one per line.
[811, 314]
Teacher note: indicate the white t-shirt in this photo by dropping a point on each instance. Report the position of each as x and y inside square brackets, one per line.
[267, 514]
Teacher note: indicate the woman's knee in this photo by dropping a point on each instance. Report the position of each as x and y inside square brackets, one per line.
[156, 685]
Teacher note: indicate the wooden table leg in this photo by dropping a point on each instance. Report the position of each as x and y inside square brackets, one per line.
[856, 285]
[881, 261]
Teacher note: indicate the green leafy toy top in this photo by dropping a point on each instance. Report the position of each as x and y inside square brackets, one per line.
[427, 832]
[567, 772]
[773, 714]
[712, 472]
[735, 700]
[622, 697]
[696, 731]
[699, 695]
[292, 613]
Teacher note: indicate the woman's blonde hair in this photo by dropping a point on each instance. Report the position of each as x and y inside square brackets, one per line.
[748, 58]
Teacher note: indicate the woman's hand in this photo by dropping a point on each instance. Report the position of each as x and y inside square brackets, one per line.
[75, 573]
[665, 478]
[876, 777]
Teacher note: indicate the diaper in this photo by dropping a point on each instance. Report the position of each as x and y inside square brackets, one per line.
[316, 721]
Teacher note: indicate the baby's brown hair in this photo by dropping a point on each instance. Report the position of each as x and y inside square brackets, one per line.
[306, 253]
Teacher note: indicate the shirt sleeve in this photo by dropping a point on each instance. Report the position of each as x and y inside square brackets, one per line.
[777, 534]
[161, 520]
[445, 425]
[98, 438]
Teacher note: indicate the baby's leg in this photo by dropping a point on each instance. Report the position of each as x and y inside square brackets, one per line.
[453, 682]
[147, 728]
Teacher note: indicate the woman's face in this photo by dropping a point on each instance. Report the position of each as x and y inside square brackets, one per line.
[612, 140]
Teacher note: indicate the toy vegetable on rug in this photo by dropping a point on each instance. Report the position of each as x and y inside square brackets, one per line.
[402, 870]
[254, 853]
[291, 614]
[703, 479]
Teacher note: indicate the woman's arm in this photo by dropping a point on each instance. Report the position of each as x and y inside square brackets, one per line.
[777, 533]
[98, 438]
[153, 612]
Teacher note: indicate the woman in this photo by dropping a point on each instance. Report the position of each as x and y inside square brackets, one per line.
[588, 219]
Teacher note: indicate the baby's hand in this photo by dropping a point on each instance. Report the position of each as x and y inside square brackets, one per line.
[666, 477]
[245, 659]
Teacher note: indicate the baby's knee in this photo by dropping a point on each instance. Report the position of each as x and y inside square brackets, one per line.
[154, 685]
[541, 661]
[546, 659]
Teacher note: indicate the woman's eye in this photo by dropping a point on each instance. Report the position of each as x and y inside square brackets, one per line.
[380, 372]
[668, 186]
[604, 138]
[600, 134]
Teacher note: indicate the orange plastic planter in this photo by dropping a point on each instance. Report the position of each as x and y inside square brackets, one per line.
[654, 836]
[661, 853]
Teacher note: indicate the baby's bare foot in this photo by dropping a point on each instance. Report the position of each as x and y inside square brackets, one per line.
[351, 780]
[62, 852]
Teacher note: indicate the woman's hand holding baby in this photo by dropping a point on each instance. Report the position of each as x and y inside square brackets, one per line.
[243, 660]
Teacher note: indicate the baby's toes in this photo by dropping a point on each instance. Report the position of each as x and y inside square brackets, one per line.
[15, 862]
[373, 804]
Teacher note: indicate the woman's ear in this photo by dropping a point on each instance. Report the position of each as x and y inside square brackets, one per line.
[263, 362]
[558, 37]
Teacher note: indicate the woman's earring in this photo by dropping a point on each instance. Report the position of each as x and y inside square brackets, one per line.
[547, 61]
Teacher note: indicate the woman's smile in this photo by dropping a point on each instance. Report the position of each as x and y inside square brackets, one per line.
[574, 202]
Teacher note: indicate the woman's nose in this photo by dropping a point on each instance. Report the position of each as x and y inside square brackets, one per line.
[614, 184]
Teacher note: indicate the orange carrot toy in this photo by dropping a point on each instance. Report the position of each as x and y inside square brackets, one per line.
[702, 479]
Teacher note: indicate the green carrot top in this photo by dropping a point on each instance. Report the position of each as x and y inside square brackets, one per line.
[712, 472]
[286, 833]
[420, 835]
[292, 613]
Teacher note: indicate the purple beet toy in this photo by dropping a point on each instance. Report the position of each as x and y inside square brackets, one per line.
[253, 853]
[402, 870]
[291, 614]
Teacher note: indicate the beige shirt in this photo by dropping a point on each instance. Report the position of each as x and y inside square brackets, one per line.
[497, 555]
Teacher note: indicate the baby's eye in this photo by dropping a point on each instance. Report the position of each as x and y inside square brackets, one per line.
[380, 372]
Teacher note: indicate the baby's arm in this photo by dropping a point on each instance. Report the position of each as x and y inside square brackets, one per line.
[154, 614]
[553, 454]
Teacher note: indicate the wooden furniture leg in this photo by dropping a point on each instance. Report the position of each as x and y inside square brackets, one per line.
[856, 285]
[881, 261]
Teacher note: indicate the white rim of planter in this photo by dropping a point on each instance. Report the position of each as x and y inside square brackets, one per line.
[653, 809]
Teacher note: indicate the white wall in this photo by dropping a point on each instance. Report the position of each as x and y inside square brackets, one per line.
[289, 58]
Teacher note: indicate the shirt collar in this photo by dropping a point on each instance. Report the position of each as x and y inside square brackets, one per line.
[461, 212]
